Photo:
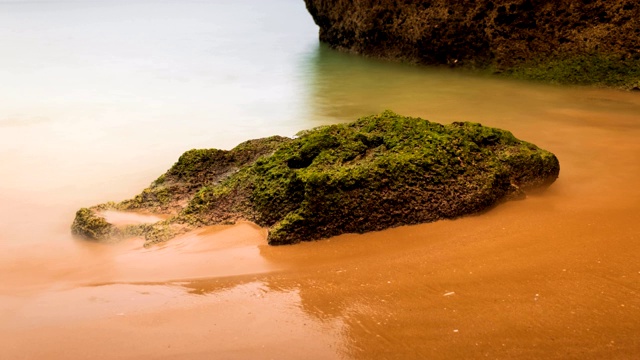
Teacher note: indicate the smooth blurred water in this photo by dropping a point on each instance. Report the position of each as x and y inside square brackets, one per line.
[96, 91]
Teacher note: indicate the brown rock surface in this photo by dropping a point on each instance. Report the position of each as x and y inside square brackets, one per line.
[498, 34]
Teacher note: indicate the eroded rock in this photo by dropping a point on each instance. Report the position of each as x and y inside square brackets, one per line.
[378, 172]
[580, 42]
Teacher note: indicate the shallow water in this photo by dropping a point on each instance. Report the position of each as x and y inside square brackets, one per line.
[99, 98]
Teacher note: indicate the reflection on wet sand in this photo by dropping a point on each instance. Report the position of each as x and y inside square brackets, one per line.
[163, 300]
[245, 320]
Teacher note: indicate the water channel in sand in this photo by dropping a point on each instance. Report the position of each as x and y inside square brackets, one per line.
[99, 98]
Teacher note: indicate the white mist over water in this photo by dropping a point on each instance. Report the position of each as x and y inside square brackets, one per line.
[101, 94]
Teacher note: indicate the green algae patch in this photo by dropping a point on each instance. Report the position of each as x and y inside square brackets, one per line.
[378, 172]
[90, 225]
[195, 169]
[587, 69]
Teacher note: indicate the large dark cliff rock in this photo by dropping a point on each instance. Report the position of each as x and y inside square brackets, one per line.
[569, 41]
[377, 172]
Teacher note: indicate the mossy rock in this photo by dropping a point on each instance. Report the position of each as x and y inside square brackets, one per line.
[592, 42]
[90, 225]
[587, 69]
[378, 172]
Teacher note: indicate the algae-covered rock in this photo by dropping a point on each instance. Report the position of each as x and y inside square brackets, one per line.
[172, 191]
[578, 41]
[90, 225]
[377, 172]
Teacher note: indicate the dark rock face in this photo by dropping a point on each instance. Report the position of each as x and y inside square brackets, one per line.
[378, 172]
[501, 34]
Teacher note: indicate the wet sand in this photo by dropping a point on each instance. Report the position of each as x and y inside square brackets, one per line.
[554, 276]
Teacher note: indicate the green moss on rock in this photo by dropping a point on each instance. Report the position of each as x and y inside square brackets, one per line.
[587, 69]
[90, 225]
[194, 169]
[377, 172]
